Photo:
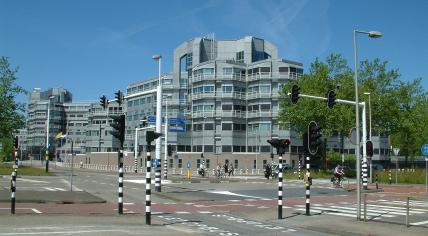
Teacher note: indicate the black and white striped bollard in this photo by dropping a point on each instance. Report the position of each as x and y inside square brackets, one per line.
[120, 199]
[135, 165]
[377, 185]
[280, 188]
[13, 189]
[157, 175]
[308, 185]
[365, 178]
[165, 168]
[299, 167]
[148, 185]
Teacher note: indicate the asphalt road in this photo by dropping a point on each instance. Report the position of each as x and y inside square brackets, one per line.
[231, 207]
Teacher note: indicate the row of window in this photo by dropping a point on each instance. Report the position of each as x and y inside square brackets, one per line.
[141, 101]
[234, 70]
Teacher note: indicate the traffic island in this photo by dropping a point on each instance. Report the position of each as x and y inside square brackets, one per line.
[59, 197]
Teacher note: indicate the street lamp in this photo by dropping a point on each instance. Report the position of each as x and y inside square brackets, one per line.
[47, 135]
[158, 125]
[370, 134]
[166, 97]
[371, 34]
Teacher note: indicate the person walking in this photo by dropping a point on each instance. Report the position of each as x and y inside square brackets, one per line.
[231, 170]
[268, 170]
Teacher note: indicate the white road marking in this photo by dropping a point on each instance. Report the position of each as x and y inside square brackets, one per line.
[128, 203]
[64, 232]
[205, 212]
[60, 189]
[36, 211]
[233, 194]
[182, 212]
[420, 223]
[31, 180]
[50, 189]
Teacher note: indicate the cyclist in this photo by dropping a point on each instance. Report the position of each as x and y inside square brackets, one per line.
[338, 173]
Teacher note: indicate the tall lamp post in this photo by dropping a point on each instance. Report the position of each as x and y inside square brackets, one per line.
[158, 125]
[166, 97]
[47, 135]
[371, 34]
[370, 134]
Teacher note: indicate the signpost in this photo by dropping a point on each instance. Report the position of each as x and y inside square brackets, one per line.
[424, 151]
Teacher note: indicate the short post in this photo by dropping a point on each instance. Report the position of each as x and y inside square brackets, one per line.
[148, 184]
[365, 207]
[13, 189]
[390, 176]
[120, 199]
[308, 186]
[364, 169]
[299, 167]
[280, 187]
[407, 211]
[377, 184]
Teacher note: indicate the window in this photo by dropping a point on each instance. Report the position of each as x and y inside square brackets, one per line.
[208, 148]
[209, 89]
[197, 127]
[209, 126]
[207, 163]
[254, 164]
[264, 163]
[236, 127]
[198, 163]
[226, 148]
[264, 69]
[171, 163]
[226, 107]
[264, 107]
[180, 163]
[283, 69]
[167, 81]
[130, 103]
[142, 101]
[240, 57]
[236, 164]
[264, 148]
[208, 71]
[226, 126]
[227, 88]
[227, 71]
[264, 88]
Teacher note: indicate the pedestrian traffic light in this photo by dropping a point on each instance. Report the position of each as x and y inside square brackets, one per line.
[331, 99]
[314, 137]
[151, 136]
[104, 101]
[169, 150]
[369, 148]
[295, 91]
[118, 125]
[280, 144]
[119, 97]
[15, 141]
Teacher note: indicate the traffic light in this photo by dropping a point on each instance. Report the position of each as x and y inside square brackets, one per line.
[295, 91]
[151, 136]
[15, 142]
[170, 150]
[369, 148]
[331, 99]
[104, 101]
[314, 137]
[119, 97]
[280, 145]
[118, 125]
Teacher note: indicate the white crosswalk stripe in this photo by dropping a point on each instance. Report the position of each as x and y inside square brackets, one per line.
[375, 210]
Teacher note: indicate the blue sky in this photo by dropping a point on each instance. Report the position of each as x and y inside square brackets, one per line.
[96, 47]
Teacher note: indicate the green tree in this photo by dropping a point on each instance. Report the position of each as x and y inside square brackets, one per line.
[11, 112]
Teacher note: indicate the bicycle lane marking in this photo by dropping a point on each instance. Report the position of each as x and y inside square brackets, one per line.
[196, 223]
[246, 222]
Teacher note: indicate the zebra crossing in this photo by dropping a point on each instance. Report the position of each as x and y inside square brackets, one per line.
[378, 209]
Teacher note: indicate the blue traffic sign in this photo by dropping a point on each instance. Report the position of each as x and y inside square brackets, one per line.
[188, 164]
[424, 149]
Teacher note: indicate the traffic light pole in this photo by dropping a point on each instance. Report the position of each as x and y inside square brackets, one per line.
[364, 139]
[148, 183]
[120, 199]
[280, 187]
